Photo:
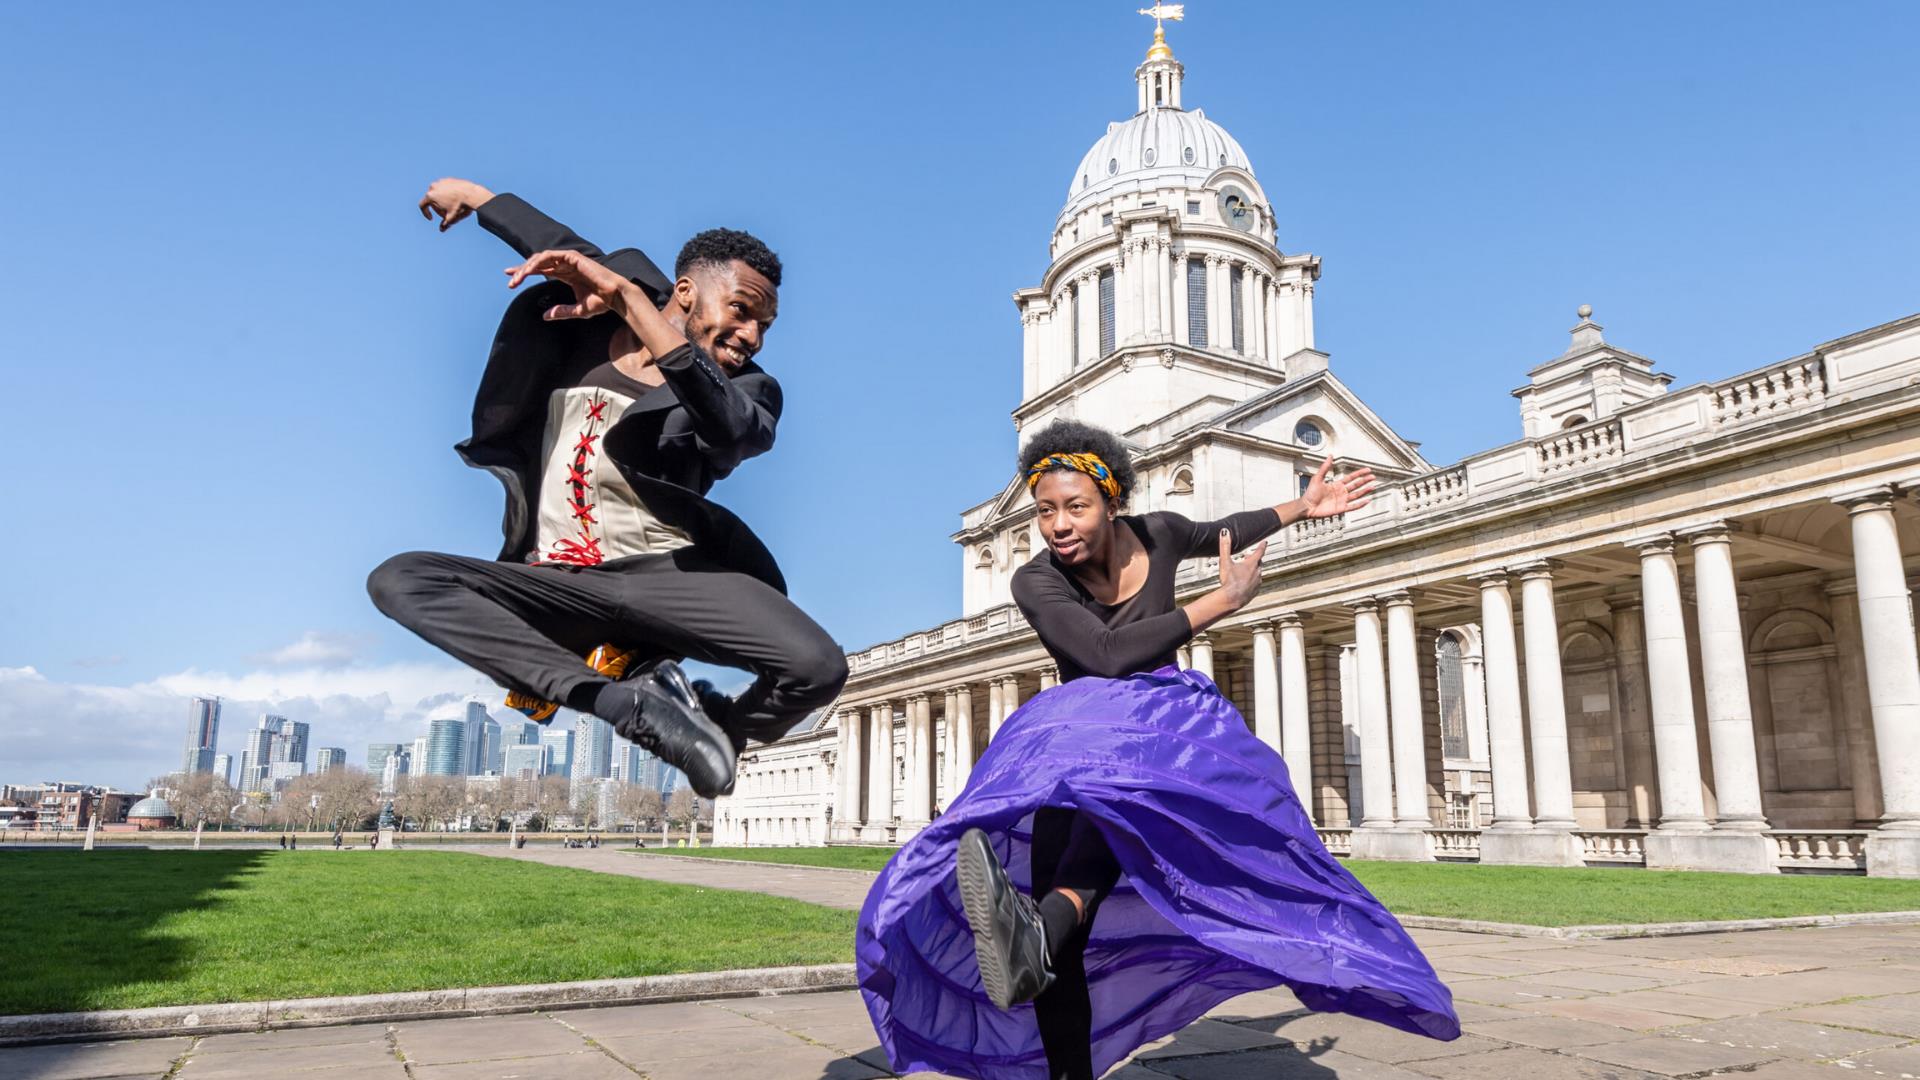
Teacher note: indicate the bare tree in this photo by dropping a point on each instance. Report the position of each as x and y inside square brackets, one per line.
[439, 798]
[552, 801]
[639, 804]
[346, 798]
[680, 805]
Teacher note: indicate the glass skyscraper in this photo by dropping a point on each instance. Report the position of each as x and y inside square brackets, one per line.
[447, 748]
[203, 732]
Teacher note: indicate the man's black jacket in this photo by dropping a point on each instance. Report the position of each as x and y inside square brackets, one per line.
[672, 447]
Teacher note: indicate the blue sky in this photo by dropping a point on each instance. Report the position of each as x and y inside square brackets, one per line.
[235, 359]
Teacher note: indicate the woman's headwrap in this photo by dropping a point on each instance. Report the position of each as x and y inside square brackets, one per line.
[1086, 463]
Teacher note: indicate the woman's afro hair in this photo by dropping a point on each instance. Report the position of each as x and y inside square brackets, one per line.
[1074, 437]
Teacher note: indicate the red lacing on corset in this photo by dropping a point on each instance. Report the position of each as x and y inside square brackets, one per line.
[582, 549]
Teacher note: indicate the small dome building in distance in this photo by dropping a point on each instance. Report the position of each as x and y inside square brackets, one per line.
[152, 812]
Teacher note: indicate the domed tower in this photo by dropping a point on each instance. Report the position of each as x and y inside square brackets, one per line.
[1166, 286]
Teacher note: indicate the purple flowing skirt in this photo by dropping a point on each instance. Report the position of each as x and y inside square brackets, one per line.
[1227, 888]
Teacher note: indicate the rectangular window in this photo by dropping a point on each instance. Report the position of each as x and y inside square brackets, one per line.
[1106, 312]
[1234, 281]
[1193, 207]
[1106, 220]
[1197, 303]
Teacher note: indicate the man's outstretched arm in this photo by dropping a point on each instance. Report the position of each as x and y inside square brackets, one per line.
[509, 217]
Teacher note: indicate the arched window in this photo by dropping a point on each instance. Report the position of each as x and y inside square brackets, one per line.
[1573, 421]
[1453, 698]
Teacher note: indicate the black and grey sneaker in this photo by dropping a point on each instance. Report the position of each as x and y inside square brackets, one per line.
[1009, 940]
[660, 712]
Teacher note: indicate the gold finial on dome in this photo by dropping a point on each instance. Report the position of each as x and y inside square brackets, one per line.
[1161, 12]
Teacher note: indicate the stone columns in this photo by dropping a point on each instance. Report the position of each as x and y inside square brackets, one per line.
[1201, 651]
[1049, 678]
[1183, 656]
[1009, 696]
[1296, 732]
[1636, 717]
[1682, 841]
[1670, 687]
[1266, 686]
[1380, 836]
[996, 709]
[1473, 692]
[918, 810]
[1219, 303]
[848, 809]
[1862, 766]
[1086, 310]
[949, 716]
[1723, 665]
[1180, 298]
[960, 749]
[880, 772]
[1546, 700]
[1893, 679]
[1249, 310]
[1276, 349]
[1376, 760]
[1153, 272]
[1408, 725]
[1506, 746]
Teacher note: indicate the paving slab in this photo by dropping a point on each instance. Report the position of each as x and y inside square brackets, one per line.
[1788, 1038]
[1606, 1011]
[1525, 1062]
[1861, 1016]
[1546, 1032]
[1697, 1006]
[1901, 1061]
[1666, 1056]
[365, 1057]
[1375, 1042]
[584, 1065]
[84, 1061]
[1319, 1062]
[1207, 1037]
[484, 1038]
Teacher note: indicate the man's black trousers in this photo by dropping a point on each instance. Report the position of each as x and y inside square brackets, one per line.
[530, 627]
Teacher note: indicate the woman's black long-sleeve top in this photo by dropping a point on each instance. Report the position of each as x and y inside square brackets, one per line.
[1140, 633]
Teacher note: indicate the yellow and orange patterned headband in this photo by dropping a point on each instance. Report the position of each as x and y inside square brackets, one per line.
[1086, 463]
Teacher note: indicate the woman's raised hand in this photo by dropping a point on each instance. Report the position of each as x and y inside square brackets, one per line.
[1240, 576]
[1330, 496]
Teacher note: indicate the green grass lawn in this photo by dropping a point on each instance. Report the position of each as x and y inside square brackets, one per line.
[121, 929]
[1519, 894]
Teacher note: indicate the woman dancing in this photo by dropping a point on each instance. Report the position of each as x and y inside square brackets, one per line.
[1126, 855]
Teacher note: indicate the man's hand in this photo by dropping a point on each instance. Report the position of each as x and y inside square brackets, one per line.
[596, 289]
[1240, 578]
[453, 199]
[1330, 496]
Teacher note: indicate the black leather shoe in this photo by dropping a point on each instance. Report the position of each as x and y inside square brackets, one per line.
[1009, 940]
[666, 719]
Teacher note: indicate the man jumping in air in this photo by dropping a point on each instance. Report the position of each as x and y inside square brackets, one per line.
[613, 399]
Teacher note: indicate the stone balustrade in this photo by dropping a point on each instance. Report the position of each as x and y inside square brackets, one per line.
[1337, 841]
[1626, 846]
[1456, 845]
[1839, 851]
[1581, 448]
[1433, 489]
[1780, 389]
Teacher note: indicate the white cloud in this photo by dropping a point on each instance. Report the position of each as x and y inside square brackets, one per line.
[315, 648]
[124, 735]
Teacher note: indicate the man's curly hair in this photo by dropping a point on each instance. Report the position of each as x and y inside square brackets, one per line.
[1074, 437]
[718, 247]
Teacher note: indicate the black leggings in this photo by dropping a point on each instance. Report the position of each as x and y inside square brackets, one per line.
[1068, 852]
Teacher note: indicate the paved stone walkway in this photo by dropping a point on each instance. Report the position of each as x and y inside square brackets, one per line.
[825, 887]
[1767, 1005]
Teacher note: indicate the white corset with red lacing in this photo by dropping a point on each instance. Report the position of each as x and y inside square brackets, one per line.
[588, 511]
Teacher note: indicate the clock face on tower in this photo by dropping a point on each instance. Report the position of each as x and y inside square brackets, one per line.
[1237, 210]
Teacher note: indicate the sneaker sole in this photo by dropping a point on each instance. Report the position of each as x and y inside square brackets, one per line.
[973, 869]
[713, 733]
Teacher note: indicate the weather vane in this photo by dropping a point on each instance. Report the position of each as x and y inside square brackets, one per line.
[1160, 11]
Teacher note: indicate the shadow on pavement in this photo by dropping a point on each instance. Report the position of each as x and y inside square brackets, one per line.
[1187, 1057]
[79, 924]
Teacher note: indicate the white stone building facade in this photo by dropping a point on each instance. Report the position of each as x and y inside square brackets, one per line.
[1667, 627]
